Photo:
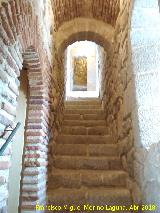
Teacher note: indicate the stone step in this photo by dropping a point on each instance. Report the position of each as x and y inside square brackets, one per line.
[80, 130]
[96, 197]
[98, 116]
[84, 111]
[80, 162]
[86, 149]
[84, 102]
[87, 178]
[84, 139]
[85, 123]
[83, 106]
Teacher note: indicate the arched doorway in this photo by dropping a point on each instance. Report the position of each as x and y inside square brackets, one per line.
[82, 70]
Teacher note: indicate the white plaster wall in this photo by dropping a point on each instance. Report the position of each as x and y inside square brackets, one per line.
[92, 70]
[101, 56]
[17, 146]
[145, 42]
[145, 38]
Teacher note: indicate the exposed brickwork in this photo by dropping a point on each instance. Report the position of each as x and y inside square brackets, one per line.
[104, 10]
[21, 45]
[106, 22]
[66, 10]
[39, 106]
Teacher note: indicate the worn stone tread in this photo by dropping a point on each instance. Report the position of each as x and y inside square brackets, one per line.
[81, 130]
[85, 139]
[81, 162]
[84, 111]
[85, 123]
[81, 116]
[86, 166]
[95, 102]
[86, 149]
[82, 196]
[83, 106]
[89, 178]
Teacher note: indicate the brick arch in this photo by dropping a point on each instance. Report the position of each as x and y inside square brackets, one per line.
[21, 45]
[84, 29]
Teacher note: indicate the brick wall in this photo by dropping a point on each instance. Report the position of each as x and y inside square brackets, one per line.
[22, 45]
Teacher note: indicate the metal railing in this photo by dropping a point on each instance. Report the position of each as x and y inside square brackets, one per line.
[13, 132]
[3, 148]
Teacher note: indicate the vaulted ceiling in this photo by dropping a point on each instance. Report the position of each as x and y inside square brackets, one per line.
[66, 10]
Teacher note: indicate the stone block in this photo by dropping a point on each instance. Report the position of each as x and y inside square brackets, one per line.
[66, 180]
[124, 163]
[102, 150]
[83, 139]
[123, 146]
[139, 173]
[98, 130]
[87, 162]
[111, 196]
[70, 149]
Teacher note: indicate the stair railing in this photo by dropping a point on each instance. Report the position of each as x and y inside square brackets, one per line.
[13, 132]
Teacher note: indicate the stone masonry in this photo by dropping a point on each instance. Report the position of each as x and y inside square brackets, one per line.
[118, 86]
[86, 166]
[34, 36]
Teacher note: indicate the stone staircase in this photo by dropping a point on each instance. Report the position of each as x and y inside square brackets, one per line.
[87, 168]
